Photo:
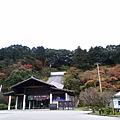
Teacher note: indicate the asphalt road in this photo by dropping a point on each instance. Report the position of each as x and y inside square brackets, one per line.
[51, 115]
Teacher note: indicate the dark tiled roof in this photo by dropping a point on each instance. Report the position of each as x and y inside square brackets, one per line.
[30, 79]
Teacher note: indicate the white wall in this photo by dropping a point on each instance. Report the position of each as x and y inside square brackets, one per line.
[115, 101]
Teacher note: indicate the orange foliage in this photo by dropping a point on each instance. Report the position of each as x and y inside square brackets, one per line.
[3, 75]
[108, 86]
[90, 83]
[114, 78]
[39, 64]
[118, 75]
[109, 78]
[27, 66]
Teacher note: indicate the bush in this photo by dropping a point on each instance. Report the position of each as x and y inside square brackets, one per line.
[3, 100]
[108, 110]
[96, 108]
[103, 110]
[3, 107]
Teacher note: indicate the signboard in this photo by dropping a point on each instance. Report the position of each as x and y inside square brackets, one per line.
[30, 97]
[65, 104]
[38, 97]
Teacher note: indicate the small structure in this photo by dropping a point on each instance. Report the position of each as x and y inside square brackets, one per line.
[116, 101]
[33, 93]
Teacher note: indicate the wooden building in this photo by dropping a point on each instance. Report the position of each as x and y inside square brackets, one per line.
[116, 101]
[33, 93]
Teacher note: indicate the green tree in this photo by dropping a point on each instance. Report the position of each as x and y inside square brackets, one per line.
[98, 54]
[39, 53]
[18, 76]
[81, 59]
[58, 58]
[71, 80]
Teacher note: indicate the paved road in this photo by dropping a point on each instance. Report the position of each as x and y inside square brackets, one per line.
[51, 115]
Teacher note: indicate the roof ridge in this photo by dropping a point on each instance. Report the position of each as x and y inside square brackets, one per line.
[32, 77]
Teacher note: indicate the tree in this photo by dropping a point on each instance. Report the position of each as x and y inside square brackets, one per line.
[106, 96]
[2, 99]
[18, 76]
[3, 76]
[98, 54]
[58, 58]
[91, 97]
[71, 81]
[38, 65]
[39, 53]
[81, 59]
[27, 66]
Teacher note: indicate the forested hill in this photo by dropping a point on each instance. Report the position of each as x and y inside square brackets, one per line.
[21, 61]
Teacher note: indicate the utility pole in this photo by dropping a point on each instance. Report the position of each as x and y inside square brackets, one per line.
[97, 63]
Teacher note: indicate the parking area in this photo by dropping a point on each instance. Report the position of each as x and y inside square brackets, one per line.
[47, 114]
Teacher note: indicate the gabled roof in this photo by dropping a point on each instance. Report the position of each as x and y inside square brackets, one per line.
[56, 84]
[52, 86]
[9, 93]
[117, 95]
[57, 79]
[64, 90]
[33, 78]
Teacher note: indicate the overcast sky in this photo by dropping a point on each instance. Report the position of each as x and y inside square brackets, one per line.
[60, 24]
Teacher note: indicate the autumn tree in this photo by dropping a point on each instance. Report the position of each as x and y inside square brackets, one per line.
[3, 76]
[38, 65]
[27, 66]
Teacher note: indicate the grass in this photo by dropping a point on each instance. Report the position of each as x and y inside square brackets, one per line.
[117, 114]
[82, 108]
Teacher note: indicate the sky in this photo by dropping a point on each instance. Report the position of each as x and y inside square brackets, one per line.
[60, 24]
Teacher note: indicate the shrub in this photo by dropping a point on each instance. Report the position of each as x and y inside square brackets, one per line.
[3, 107]
[103, 110]
[108, 110]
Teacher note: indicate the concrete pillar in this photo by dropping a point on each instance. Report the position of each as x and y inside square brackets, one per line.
[9, 103]
[29, 104]
[16, 103]
[50, 98]
[24, 97]
[66, 96]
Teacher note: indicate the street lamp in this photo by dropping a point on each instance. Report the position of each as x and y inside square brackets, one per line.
[97, 63]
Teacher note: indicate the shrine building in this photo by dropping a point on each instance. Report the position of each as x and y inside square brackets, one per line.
[33, 93]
